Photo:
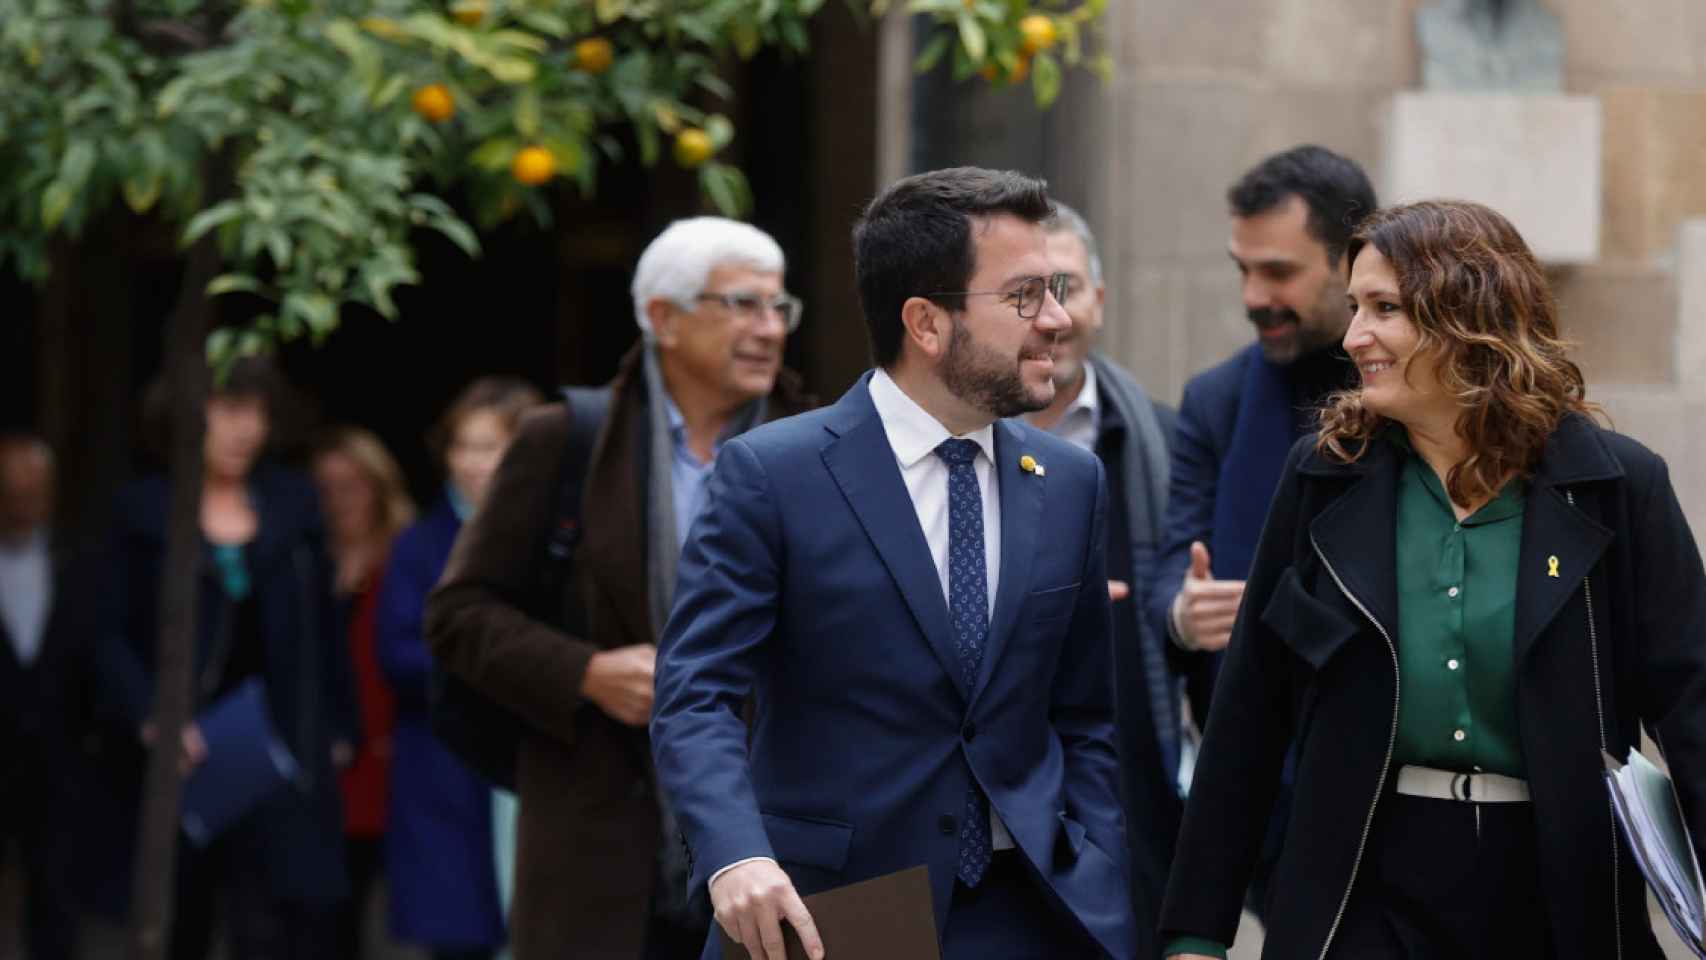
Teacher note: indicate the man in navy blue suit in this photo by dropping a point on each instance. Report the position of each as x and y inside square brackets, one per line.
[914, 592]
[1292, 217]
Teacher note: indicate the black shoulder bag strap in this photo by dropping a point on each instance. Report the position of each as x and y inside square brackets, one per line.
[482, 733]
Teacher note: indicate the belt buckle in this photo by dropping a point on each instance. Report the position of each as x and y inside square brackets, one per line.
[1462, 787]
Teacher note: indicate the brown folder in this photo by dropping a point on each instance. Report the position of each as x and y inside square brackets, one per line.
[884, 918]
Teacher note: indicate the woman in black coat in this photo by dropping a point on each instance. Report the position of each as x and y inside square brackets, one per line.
[266, 614]
[1465, 592]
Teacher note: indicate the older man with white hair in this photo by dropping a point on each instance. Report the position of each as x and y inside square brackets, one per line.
[600, 873]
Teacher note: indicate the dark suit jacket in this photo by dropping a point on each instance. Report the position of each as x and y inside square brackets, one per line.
[42, 703]
[808, 584]
[589, 829]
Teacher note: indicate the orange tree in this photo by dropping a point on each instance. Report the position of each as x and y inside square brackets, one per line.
[297, 145]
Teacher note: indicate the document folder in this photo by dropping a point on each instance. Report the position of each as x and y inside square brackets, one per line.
[246, 763]
[885, 918]
[1645, 802]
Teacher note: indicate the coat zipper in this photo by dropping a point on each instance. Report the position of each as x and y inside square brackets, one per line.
[1599, 708]
[1391, 746]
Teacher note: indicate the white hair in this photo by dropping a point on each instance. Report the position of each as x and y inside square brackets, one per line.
[676, 265]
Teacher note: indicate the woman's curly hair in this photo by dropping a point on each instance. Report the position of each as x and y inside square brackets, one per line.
[1483, 310]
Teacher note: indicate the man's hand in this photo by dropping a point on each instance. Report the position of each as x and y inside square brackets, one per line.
[1205, 607]
[751, 900]
[620, 682]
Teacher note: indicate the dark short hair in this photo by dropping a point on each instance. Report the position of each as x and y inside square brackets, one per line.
[249, 377]
[1335, 189]
[915, 240]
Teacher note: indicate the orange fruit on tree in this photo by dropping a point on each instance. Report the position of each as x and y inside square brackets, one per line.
[469, 13]
[1021, 71]
[594, 55]
[693, 147]
[434, 103]
[1037, 33]
[533, 165]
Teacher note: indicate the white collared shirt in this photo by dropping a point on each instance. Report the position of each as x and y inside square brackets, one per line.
[914, 435]
[26, 594]
[1083, 417]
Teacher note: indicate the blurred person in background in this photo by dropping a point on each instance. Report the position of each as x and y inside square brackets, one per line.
[603, 875]
[1292, 215]
[43, 628]
[1100, 407]
[446, 879]
[271, 883]
[366, 506]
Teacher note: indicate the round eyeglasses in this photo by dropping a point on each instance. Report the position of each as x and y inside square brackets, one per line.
[1027, 297]
[752, 307]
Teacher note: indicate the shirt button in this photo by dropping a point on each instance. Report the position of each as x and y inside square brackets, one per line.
[947, 825]
[1451, 664]
[1459, 736]
[1452, 592]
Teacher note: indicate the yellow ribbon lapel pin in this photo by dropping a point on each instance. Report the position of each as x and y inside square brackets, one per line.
[1029, 464]
[1552, 567]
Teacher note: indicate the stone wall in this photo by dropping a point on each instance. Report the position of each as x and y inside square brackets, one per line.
[1207, 87]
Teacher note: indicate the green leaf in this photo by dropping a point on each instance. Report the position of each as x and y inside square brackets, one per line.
[55, 201]
[933, 52]
[233, 283]
[809, 8]
[1045, 78]
[173, 94]
[215, 216]
[142, 192]
[972, 37]
[495, 154]
[527, 113]
[720, 130]
[75, 166]
[511, 70]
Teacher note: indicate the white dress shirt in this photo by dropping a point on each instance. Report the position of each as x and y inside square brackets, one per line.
[26, 593]
[914, 435]
[1083, 417]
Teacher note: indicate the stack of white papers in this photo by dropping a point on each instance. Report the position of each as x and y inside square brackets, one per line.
[1646, 805]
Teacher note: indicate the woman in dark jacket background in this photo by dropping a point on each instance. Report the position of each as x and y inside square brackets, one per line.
[446, 892]
[272, 880]
[1465, 592]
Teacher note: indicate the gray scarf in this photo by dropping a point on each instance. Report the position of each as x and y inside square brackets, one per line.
[665, 550]
[661, 558]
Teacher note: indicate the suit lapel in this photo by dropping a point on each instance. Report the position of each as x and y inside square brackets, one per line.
[1551, 529]
[1021, 515]
[862, 462]
[1357, 535]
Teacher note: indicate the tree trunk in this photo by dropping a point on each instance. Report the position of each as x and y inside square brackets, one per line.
[154, 881]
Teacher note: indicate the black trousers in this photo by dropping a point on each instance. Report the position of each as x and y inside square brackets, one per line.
[34, 815]
[1448, 880]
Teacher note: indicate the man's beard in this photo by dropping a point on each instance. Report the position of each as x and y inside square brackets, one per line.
[984, 379]
[1306, 338]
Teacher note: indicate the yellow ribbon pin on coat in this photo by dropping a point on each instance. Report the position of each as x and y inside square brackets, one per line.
[1552, 566]
[1029, 464]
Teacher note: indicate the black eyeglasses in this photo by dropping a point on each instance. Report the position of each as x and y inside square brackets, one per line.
[751, 307]
[1027, 297]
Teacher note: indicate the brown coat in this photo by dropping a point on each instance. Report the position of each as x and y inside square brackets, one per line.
[588, 831]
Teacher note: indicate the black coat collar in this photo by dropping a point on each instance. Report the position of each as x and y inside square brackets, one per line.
[1356, 533]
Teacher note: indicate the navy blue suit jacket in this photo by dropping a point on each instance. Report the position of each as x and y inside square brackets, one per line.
[1208, 413]
[807, 582]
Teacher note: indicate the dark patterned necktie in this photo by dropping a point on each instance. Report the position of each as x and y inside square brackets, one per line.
[968, 607]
